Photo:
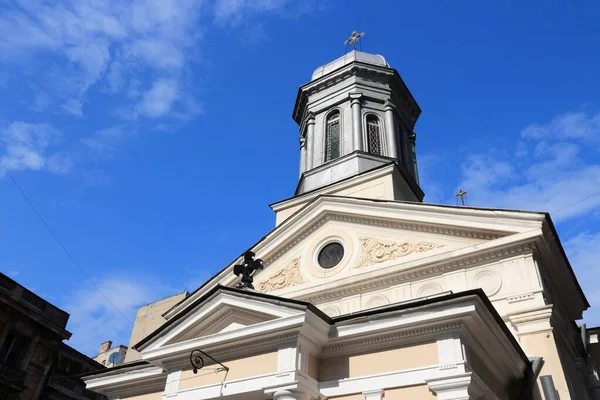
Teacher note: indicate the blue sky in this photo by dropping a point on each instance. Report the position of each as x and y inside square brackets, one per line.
[152, 135]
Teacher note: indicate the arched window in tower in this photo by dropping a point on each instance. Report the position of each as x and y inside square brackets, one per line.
[332, 136]
[373, 135]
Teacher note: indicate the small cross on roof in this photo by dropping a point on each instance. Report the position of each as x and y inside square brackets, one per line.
[354, 37]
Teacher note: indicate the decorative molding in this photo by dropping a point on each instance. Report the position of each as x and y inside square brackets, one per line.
[416, 273]
[210, 329]
[488, 280]
[299, 237]
[310, 341]
[378, 300]
[429, 289]
[519, 298]
[330, 310]
[436, 329]
[330, 216]
[288, 276]
[375, 250]
[213, 325]
[257, 343]
[376, 394]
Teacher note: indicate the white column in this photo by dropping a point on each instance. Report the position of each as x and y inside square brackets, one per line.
[357, 137]
[373, 394]
[310, 142]
[284, 395]
[390, 129]
[302, 154]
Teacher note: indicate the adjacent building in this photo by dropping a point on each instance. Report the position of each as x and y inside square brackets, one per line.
[110, 356]
[367, 291]
[34, 361]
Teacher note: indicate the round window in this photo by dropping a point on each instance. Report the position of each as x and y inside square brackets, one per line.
[330, 255]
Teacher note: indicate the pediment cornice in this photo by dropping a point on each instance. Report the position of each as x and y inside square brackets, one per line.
[459, 222]
[328, 216]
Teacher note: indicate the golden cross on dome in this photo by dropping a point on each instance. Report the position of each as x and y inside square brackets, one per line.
[354, 37]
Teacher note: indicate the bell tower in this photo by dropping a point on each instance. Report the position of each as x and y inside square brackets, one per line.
[356, 115]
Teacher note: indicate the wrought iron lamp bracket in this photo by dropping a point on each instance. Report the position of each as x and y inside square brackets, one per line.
[198, 362]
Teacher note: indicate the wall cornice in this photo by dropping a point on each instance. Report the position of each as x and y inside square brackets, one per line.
[333, 349]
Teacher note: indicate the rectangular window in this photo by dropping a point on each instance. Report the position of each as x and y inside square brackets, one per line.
[13, 349]
[373, 135]
[333, 140]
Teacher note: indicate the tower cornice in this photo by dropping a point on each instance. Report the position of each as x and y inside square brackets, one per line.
[374, 73]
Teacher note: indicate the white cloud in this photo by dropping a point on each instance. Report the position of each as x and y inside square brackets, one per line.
[94, 319]
[228, 9]
[236, 11]
[159, 100]
[583, 255]
[576, 125]
[105, 142]
[108, 40]
[552, 167]
[29, 147]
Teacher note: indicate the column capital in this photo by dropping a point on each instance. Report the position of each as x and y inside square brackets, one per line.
[310, 118]
[376, 394]
[284, 395]
[355, 97]
[388, 105]
[302, 141]
[458, 387]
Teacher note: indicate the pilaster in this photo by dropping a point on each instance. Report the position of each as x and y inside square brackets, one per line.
[357, 136]
[172, 385]
[390, 129]
[451, 351]
[412, 138]
[302, 154]
[310, 142]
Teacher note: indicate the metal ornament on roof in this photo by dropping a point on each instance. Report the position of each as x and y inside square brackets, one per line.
[353, 39]
[247, 270]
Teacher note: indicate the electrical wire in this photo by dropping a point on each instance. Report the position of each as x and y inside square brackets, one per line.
[12, 178]
[577, 202]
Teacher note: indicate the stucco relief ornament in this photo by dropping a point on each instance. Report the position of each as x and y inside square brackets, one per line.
[288, 276]
[375, 250]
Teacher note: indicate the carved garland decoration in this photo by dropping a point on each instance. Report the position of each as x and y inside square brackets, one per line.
[288, 276]
[376, 251]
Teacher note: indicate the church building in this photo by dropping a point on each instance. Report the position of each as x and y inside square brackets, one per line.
[364, 292]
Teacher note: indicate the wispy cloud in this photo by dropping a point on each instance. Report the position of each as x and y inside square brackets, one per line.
[583, 255]
[553, 166]
[159, 100]
[32, 147]
[237, 11]
[109, 42]
[104, 143]
[94, 319]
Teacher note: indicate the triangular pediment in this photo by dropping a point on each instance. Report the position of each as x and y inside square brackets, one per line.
[224, 312]
[380, 239]
[223, 319]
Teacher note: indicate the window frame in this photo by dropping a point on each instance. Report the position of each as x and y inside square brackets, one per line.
[326, 149]
[371, 115]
